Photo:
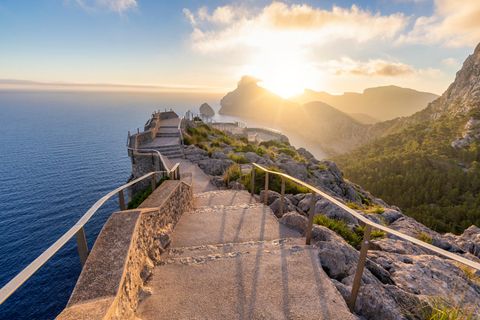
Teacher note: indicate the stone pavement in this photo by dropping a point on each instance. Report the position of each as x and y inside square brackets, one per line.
[231, 259]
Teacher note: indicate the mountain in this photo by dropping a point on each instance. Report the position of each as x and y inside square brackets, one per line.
[429, 163]
[318, 122]
[382, 103]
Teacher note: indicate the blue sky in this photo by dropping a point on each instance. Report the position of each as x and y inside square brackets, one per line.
[324, 45]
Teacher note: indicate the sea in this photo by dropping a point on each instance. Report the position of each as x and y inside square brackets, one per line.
[59, 153]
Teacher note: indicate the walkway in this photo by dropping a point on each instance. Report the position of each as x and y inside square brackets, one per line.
[201, 181]
[231, 259]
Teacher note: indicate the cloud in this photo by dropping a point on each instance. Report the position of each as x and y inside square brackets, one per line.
[454, 23]
[118, 6]
[450, 62]
[374, 67]
[280, 24]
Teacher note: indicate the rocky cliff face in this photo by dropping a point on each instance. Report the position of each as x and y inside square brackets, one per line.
[463, 95]
[401, 280]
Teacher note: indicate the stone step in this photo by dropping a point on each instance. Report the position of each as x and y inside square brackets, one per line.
[223, 197]
[229, 224]
[268, 281]
[218, 250]
[168, 134]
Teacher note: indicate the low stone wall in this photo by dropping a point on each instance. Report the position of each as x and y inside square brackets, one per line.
[126, 250]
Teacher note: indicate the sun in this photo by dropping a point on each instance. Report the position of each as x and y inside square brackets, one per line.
[286, 73]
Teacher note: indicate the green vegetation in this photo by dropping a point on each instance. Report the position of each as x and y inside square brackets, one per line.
[440, 309]
[418, 170]
[424, 237]
[376, 209]
[353, 237]
[140, 196]
[238, 158]
[274, 182]
[233, 173]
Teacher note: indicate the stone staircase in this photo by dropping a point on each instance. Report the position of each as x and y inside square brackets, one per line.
[171, 151]
[231, 259]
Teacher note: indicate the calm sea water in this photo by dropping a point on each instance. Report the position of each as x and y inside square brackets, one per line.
[59, 153]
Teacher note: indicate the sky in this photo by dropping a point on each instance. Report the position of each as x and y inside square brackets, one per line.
[332, 46]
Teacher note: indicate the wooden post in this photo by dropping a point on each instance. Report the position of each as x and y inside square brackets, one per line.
[253, 180]
[360, 266]
[266, 189]
[311, 214]
[282, 197]
[154, 181]
[82, 246]
[121, 200]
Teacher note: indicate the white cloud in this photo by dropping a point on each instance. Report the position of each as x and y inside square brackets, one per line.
[454, 23]
[450, 62]
[294, 25]
[118, 6]
[373, 67]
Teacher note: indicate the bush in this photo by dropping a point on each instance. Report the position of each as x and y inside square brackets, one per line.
[238, 158]
[440, 309]
[424, 237]
[274, 143]
[375, 209]
[340, 228]
[289, 152]
[140, 196]
[274, 183]
[354, 206]
[233, 173]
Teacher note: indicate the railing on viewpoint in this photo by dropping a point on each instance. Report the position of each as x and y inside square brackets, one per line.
[369, 225]
[79, 231]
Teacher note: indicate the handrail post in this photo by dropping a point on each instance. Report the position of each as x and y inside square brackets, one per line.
[311, 213]
[360, 266]
[154, 181]
[121, 200]
[253, 180]
[82, 246]
[282, 196]
[266, 189]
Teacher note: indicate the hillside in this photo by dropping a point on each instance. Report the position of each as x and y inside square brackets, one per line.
[382, 103]
[429, 164]
[335, 131]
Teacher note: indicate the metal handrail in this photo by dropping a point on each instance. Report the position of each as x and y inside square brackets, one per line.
[78, 230]
[369, 225]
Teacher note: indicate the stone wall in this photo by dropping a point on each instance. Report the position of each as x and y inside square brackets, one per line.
[126, 250]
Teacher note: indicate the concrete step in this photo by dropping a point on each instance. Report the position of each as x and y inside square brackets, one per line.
[170, 147]
[267, 281]
[223, 197]
[178, 254]
[168, 134]
[229, 224]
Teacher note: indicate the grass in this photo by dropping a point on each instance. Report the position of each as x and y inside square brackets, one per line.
[238, 158]
[469, 273]
[353, 237]
[354, 206]
[424, 237]
[233, 173]
[274, 183]
[440, 309]
[140, 196]
[376, 209]
[339, 227]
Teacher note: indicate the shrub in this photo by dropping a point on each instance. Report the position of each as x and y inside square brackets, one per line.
[375, 209]
[140, 196]
[274, 183]
[232, 173]
[289, 152]
[424, 237]
[440, 309]
[238, 158]
[374, 234]
[339, 227]
[354, 206]
[274, 143]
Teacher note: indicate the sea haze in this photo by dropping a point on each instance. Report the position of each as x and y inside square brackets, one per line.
[59, 153]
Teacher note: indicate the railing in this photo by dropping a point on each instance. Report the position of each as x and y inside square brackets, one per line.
[173, 172]
[78, 231]
[369, 225]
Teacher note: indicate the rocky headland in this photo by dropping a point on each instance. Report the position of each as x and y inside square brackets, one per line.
[401, 280]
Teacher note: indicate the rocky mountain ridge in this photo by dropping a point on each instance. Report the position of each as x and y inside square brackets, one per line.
[382, 103]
